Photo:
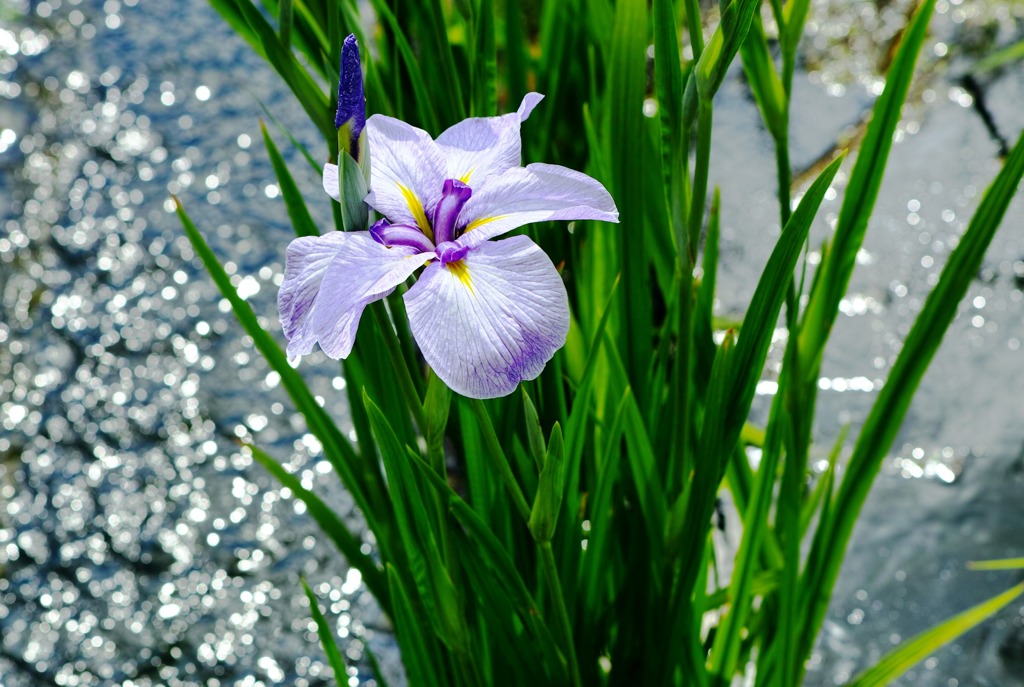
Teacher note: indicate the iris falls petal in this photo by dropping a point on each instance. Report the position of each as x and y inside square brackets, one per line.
[306, 261]
[535, 193]
[330, 279]
[477, 148]
[492, 319]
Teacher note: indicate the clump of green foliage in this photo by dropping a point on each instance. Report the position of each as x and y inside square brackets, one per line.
[577, 549]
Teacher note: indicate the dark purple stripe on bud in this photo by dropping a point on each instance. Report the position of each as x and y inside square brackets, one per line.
[351, 100]
[388, 234]
[450, 251]
[453, 196]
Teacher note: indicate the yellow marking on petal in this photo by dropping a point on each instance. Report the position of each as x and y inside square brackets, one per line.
[482, 221]
[416, 208]
[465, 177]
[461, 272]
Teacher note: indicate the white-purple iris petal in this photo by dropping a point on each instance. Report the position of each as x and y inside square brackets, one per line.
[330, 279]
[486, 314]
[493, 319]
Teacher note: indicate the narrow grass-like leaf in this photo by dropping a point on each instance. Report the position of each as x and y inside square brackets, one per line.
[484, 492]
[544, 514]
[725, 42]
[515, 51]
[309, 94]
[794, 17]
[323, 629]
[424, 103]
[764, 80]
[418, 655]
[534, 434]
[730, 393]
[626, 126]
[302, 222]
[485, 62]
[823, 489]
[643, 467]
[420, 541]
[759, 323]
[378, 673]
[485, 547]
[285, 17]
[859, 198]
[595, 572]
[314, 165]
[668, 76]
[499, 461]
[360, 476]
[1001, 57]
[890, 408]
[333, 526]
[229, 10]
[704, 324]
[1002, 564]
[918, 648]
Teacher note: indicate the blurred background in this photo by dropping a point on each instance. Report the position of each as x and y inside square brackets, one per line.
[138, 546]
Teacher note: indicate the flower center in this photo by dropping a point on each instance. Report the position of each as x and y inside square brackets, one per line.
[449, 252]
[446, 212]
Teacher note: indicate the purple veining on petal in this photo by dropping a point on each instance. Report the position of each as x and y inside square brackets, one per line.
[351, 99]
[387, 234]
[446, 213]
[449, 251]
[493, 321]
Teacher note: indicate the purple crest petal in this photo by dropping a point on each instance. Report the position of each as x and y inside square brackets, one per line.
[491, 320]
[387, 234]
[351, 99]
[446, 213]
[407, 172]
[535, 193]
[328, 282]
[450, 251]
[479, 147]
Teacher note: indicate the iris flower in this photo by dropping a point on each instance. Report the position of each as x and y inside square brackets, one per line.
[486, 313]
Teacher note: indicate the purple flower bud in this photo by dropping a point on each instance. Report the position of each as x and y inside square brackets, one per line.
[351, 99]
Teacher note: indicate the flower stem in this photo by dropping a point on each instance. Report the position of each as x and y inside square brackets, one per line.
[387, 331]
[547, 558]
[700, 173]
[499, 460]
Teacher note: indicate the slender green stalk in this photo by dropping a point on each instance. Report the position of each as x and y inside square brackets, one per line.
[436, 408]
[547, 558]
[679, 463]
[784, 172]
[700, 171]
[394, 349]
[500, 461]
[693, 24]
